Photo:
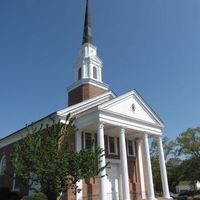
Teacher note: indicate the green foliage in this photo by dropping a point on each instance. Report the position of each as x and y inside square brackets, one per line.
[174, 172]
[190, 170]
[36, 196]
[46, 156]
[189, 142]
[156, 174]
[182, 159]
[168, 147]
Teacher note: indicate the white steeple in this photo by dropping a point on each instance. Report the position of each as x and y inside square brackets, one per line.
[87, 68]
[88, 65]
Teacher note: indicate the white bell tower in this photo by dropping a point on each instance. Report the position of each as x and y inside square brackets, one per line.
[88, 68]
[88, 65]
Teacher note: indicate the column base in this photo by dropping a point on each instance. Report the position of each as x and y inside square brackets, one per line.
[166, 198]
[151, 198]
[160, 198]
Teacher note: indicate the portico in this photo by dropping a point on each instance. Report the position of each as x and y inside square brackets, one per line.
[116, 125]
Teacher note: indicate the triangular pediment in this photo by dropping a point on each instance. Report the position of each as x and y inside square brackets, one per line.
[132, 105]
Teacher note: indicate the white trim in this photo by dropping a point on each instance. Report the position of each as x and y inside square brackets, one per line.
[113, 161]
[130, 123]
[87, 104]
[139, 121]
[115, 143]
[120, 98]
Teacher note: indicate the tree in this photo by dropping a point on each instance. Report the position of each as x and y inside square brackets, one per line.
[189, 143]
[168, 148]
[174, 172]
[46, 156]
[188, 146]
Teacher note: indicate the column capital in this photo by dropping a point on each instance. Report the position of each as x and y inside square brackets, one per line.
[122, 130]
[146, 135]
[79, 130]
[100, 125]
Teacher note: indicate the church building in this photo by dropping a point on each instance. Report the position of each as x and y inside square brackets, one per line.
[122, 126]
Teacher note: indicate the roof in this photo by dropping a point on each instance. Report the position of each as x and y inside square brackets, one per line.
[84, 105]
[108, 102]
[87, 33]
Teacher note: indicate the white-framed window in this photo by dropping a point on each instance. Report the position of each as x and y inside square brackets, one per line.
[90, 140]
[130, 148]
[3, 165]
[94, 72]
[112, 145]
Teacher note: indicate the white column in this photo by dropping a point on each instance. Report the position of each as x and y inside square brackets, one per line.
[79, 195]
[100, 74]
[163, 171]
[141, 169]
[102, 163]
[150, 188]
[14, 182]
[124, 165]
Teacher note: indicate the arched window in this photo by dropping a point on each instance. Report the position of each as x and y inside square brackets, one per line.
[79, 73]
[3, 165]
[94, 72]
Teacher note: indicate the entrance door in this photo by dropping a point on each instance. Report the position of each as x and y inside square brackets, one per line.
[113, 182]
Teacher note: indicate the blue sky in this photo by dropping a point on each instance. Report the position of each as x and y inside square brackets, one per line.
[151, 46]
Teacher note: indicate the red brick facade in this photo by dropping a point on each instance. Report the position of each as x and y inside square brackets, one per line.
[84, 92]
[6, 180]
[90, 187]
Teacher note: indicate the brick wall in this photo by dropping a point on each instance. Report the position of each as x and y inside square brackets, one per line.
[90, 187]
[7, 179]
[84, 92]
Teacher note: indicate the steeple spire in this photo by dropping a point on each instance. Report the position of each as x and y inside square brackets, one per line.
[88, 68]
[87, 33]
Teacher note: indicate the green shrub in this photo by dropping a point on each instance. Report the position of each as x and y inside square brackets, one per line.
[36, 196]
